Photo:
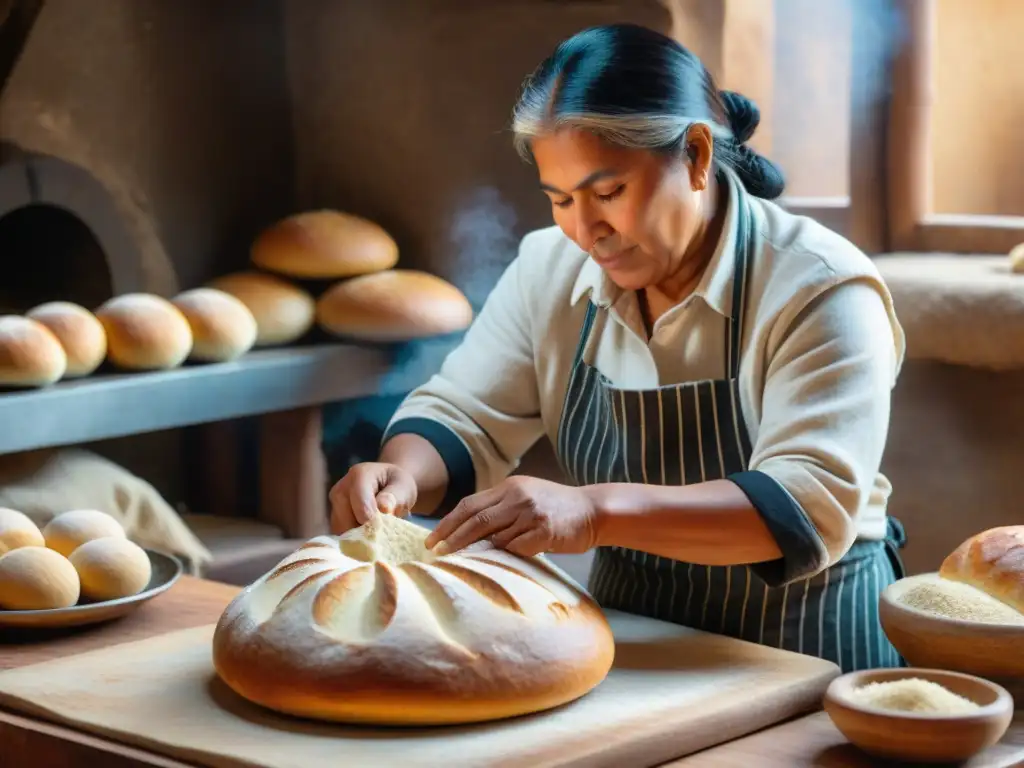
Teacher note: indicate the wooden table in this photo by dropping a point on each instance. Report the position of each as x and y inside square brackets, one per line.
[806, 741]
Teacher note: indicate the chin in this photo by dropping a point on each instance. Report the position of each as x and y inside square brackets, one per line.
[629, 280]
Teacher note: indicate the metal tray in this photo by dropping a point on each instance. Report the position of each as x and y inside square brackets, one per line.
[165, 571]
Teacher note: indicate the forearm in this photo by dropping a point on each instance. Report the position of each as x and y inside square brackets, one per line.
[417, 456]
[711, 523]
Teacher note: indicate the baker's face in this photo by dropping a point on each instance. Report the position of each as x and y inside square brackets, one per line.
[635, 212]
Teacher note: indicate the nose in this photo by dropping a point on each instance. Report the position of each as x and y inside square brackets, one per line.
[589, 226]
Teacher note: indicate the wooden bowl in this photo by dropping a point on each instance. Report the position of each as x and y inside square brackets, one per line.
[916, 736]
[990, 650]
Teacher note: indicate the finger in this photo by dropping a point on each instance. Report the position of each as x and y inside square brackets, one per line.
[533, 542]
[464, 510]
[480, 526]
[502, 538]
[341, 512]
[362, 498]
[341, 517]
[386, 503]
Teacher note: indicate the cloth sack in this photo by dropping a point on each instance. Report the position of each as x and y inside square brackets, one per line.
[43, 484]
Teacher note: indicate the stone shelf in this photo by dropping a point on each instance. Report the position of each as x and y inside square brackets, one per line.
[264, 381]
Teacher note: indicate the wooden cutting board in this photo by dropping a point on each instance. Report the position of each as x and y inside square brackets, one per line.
[673, 691]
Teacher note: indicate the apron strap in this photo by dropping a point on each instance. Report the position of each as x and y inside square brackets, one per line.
[588, 324]
[745, 245]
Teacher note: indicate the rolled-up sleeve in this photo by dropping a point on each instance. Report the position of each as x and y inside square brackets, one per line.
[824, 423]
[481, 411]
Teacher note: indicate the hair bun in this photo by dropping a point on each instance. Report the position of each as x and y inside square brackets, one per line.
[743, 114]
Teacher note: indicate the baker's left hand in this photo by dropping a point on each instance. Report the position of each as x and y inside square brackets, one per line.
[524, 515]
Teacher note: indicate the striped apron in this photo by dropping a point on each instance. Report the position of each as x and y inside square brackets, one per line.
[691, 433]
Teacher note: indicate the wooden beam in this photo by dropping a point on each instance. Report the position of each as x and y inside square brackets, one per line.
[735, 39]
[873, 35]
[913, 223]
[909, 132]
[17, 17]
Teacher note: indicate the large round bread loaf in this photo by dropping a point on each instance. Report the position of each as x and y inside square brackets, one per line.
[30, 354]
[370, 627]
[992, 561]
[324, 245]
[283, 311]
[396, 305]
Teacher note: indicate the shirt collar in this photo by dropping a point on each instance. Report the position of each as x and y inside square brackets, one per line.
[715, 286]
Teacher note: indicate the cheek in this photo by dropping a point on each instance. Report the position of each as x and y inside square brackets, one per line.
[670, 220]
[565, 221]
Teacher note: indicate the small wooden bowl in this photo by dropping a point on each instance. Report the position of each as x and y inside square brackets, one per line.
[935, 642]
[915, 736]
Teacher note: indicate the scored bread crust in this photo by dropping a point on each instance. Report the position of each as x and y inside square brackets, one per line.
[335, 633]
[992, 561]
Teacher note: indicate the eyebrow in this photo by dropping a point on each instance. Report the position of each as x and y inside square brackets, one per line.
[588, 181]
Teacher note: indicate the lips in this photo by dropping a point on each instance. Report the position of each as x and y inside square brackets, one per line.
[615, 260]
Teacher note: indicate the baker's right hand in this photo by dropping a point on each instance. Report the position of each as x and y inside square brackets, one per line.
[367, 489]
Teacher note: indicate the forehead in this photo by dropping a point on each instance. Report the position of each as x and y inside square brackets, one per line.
[568, 156]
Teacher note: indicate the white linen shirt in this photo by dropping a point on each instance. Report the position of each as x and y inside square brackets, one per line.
[821, 350]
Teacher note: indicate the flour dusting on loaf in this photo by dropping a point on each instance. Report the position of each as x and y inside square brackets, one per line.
[372, 627]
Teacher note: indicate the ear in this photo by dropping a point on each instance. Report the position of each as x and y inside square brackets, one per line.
[699, 150]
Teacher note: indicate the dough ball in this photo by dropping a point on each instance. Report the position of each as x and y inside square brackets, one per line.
[17, 530]
[30, 355]
[222, 326]
[1017, 259]
[111, 567]
[145, 332]
[79, 332]
[68, 531]
[37, 579]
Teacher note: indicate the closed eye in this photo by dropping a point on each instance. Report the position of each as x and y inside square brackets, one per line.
[613, 194]
[603, 198]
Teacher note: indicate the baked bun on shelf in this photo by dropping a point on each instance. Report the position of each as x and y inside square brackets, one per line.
[371, 627]
[324, 245]
[145, 332]
[396, 305]
[30, 354]
[992, 561]
[223, 328]
[79, 333]
[283, 311]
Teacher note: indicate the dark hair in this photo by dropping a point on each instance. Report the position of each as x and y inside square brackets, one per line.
[637, 88]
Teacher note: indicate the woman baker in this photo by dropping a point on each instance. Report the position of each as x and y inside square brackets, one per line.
[714, 373]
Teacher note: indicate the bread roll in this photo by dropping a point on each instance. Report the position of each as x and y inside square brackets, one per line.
[324, 245]
[992, 561]
[69, 530]
[111, 567]
[79, 333]
[370, 627]
[397, 305]
[145, 332]
[37, 579]
[30, 355]
[17, 530]
[222, 326]
[1017, 259]
[284, 312]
